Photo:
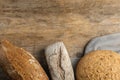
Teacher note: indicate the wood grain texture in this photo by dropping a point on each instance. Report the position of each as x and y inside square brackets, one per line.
[34, 24]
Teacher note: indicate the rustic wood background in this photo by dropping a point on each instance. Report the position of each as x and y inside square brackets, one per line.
[35, 24]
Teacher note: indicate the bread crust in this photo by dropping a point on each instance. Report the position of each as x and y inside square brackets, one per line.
[99, 65]
[20, 64]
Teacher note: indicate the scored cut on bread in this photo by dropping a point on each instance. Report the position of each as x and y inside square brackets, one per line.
[59, 62]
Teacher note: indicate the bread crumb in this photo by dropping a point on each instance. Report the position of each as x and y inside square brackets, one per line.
[31, 61]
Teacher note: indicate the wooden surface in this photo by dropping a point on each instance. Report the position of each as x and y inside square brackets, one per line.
[35, 24]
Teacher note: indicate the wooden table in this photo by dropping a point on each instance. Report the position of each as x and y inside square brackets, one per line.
[35, 24]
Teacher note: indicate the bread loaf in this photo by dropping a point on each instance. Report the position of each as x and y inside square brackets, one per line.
[20, 64]
[99, 65]
[59, 62]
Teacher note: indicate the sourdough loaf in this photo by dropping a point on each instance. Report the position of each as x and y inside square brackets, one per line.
[59, 62]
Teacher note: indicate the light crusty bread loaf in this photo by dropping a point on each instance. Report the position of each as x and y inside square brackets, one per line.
[99, 65]
[59, 62]
[20, 64]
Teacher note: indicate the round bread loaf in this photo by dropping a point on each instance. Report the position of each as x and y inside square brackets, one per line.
[99, 65]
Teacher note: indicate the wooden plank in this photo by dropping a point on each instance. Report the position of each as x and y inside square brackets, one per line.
[35, 24]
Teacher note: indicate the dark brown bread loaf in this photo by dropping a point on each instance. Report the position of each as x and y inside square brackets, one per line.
[99, 65]
[20, 64]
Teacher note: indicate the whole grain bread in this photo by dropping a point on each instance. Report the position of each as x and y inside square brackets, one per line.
[20, 64]
[99, 65]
